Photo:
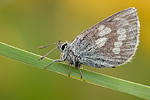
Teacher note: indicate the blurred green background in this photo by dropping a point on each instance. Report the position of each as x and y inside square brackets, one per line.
[28, 24]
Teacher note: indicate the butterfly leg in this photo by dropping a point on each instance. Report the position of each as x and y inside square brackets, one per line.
[69, 70]
[80, 72]
[54, 61]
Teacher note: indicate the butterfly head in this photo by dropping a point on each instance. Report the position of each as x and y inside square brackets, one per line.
[63, 48]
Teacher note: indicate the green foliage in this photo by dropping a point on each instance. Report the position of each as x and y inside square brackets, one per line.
[121, 85]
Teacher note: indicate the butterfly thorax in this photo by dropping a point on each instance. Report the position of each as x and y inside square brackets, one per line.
[67, 54]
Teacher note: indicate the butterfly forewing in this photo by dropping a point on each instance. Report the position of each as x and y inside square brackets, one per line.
[109, 43]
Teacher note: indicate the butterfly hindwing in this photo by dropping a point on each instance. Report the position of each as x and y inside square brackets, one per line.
[110, 42]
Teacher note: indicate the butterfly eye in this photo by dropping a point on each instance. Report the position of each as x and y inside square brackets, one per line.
[63, 46]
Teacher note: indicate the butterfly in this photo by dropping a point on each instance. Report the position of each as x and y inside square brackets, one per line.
[111, 42]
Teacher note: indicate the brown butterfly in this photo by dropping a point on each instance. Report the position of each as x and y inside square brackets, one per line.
[109, 43]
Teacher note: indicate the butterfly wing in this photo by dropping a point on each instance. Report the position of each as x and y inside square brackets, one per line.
[109, 43]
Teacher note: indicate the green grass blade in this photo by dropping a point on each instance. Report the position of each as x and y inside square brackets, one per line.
[121, 85]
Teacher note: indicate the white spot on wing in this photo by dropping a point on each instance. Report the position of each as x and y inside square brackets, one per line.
[101, 41]
[116, 50]
[121, 31]
[118, 44]
[104, 32]
[101, 28]
[122, 37]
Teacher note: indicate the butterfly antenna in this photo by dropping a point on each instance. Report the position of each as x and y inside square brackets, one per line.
[47, 53]
[41, 47]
